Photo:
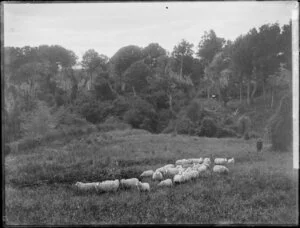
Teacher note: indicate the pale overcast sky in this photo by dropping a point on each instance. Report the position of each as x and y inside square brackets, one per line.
[106, 27]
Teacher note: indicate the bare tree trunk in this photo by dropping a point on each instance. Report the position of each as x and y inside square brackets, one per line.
[272, 98]
[91, 78]
[181, 66]
[248, 92]
[134, 93]
[208, 92]
[240, 92]
[264, 90]
[253, 92]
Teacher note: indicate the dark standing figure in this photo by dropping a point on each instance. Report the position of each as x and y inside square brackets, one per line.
[259, 145]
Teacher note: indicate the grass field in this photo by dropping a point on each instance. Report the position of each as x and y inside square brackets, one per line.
[39, 184]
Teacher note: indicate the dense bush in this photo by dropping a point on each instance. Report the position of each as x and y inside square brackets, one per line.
[164, 116]
[194, 112]
[244, 125]
[91, 109]
[141, 115]
[208, 127]
[38, 122]
[280, 126]
[119, 106]
[185, 126]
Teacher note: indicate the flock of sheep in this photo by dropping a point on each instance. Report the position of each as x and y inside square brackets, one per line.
[183, 171]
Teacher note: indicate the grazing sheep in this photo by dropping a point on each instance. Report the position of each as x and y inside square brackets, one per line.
[220, 169]
[86, 186]
[157, 176]
[171, 171]
[230, 161]
[207, 162]
[166, 183]
[147, 173]
[196, 160]
[108, 186]
[143, 187]
[169, 166]
[220, 161]
[129, 183]
[202, 168]
[193, 174]
[182, 162]
[187, 165]
[163, 169]
[178, 179]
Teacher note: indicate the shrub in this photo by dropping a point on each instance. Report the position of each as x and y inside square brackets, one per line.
[244, 124]
[194, 111]
[280, 126]
[254, 135]
[141, 115]
[184, 126]
[39, 122]
[208, 127]
[164, 117]
[228, 120]
[120, 106]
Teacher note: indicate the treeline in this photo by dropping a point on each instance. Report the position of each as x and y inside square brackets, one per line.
[145, 87]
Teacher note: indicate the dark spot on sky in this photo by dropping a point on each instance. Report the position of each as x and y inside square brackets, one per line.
[166, 7]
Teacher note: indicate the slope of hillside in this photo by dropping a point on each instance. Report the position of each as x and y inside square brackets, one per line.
[260, 188]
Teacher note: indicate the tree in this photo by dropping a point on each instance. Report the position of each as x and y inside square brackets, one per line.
[122, 60]
[153, 50]
[266, 59]
[136, 75]
[93, 62]
[209, 46]
[286, 45]
[183, 53]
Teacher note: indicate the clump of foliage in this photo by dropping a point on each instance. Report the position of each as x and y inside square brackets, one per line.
[280, 126]
[38, 122]
[141, 115]
[244, 125]
[208, 127]
[92, 110]
[194, 111]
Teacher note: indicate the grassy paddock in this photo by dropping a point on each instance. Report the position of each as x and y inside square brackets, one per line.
[39, 186]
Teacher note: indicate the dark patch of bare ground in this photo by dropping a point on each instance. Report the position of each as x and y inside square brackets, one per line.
[39, 184]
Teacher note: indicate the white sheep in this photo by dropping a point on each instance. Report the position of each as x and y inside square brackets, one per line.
[206, 162]
[192, 174]
[182, 162]
[202, 168]
[171, 171]
[164, 168]
[166, 183]
[157, 176]
[147, 173]
[143, 187]
[196, 160]
[220, 161]
[129, 183]
[108, 186]
[86, 186]
[220, 169]
[178, 179]
[230, 161]
[169, 166]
